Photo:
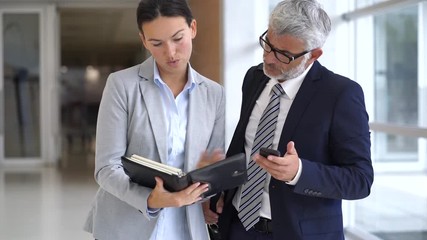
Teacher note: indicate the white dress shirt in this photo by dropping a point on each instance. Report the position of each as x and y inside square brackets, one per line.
[291, 88]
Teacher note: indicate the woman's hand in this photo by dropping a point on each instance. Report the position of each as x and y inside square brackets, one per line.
[207, 159]
[161, 198]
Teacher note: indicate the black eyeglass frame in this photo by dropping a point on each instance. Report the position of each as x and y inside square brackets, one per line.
[276, 51]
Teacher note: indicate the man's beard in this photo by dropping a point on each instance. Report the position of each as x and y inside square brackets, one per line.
[288, 74]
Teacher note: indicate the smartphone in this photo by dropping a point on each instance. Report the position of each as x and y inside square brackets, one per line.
[268, 151]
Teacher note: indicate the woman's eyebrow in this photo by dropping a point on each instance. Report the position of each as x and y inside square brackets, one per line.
[158, 40]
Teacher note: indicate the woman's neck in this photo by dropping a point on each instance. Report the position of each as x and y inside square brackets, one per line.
[175, 82]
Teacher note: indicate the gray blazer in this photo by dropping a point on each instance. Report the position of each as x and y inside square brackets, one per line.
[131, 119]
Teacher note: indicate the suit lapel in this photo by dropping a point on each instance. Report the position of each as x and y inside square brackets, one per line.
[253, 85]
[150, 95]
[255, 90]
[197, 102]
[301, 102]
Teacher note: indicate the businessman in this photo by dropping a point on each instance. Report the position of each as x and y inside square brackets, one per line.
[315, 118]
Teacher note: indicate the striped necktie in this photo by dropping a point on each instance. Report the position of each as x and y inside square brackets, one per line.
[250, 202]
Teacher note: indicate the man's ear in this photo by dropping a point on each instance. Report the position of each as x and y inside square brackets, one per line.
[315, 54]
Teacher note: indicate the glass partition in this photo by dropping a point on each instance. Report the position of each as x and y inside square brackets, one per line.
[21, 81]
[388, 63]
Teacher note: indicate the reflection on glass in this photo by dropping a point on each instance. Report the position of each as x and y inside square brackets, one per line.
[395, 148]
[21, 85]
[396, 67]
[396, 82]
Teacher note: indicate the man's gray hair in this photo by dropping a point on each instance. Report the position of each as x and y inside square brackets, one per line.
[303, 19]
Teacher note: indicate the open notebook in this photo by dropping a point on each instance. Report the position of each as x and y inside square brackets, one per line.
[225, 174]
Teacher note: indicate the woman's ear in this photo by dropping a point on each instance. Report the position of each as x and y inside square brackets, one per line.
[142, 37]
[193, 27]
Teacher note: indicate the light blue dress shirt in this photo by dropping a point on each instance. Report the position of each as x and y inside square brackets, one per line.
[172, 222]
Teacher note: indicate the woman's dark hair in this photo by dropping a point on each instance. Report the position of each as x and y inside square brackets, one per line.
[148, 10]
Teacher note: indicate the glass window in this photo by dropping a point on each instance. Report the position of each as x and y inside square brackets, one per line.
[21, 85]
[387, 59]
[396, 81]
[367, 3]
[395, 148]
[396, 67]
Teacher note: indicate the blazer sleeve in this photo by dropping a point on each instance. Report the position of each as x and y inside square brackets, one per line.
[111, 144]
[217, 140]
[344, 168]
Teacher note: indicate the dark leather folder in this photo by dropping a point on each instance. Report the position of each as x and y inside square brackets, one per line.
[225, 174]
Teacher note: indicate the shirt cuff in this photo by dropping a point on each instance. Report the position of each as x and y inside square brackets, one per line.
[294, 181]
[153, 212]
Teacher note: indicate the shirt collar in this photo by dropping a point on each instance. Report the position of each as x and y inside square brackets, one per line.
[290, 86]
[190, 85]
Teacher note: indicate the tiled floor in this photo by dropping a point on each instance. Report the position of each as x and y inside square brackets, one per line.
[46, 203]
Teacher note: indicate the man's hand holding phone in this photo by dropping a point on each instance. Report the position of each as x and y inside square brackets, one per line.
[280, 167]
[268, 151]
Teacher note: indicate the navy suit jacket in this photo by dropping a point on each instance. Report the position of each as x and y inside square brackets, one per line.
[329, 124]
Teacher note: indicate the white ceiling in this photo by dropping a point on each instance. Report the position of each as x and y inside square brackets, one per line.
[99, 36]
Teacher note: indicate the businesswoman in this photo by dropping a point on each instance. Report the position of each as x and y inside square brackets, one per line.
[163, 110]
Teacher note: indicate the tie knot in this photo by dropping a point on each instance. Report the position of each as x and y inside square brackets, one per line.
[278, 90]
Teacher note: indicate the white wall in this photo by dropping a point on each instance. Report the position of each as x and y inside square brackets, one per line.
[243, 22]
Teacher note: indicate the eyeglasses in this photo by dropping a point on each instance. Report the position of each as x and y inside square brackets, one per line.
[281, 55]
